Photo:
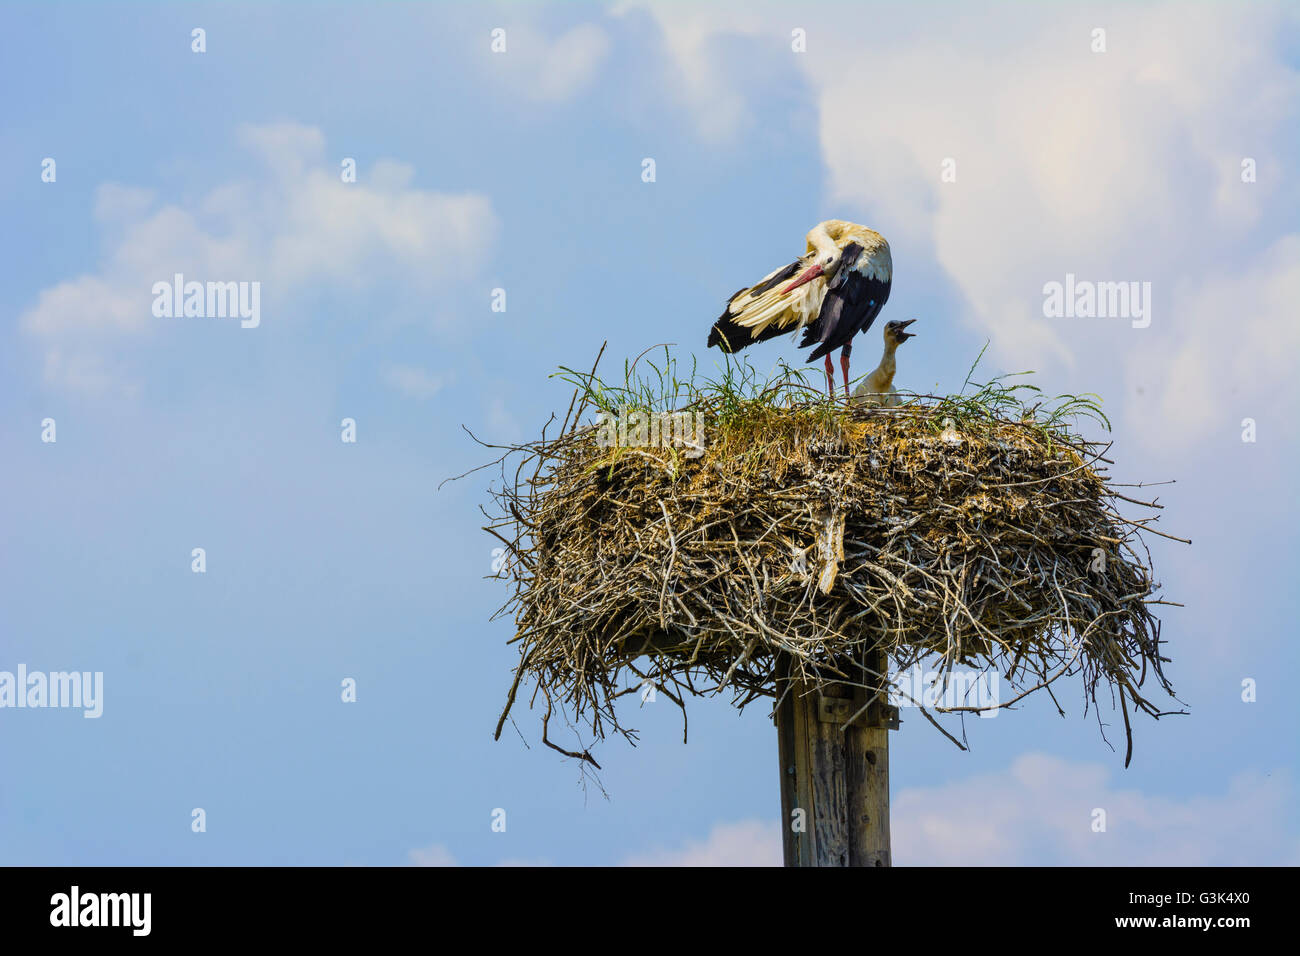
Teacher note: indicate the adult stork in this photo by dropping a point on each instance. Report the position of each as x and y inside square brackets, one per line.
[832, 292]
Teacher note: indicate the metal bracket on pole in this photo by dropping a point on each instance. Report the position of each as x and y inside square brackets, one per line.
[881, 714]
[838, 710]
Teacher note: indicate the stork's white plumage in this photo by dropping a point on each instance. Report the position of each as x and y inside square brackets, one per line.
[835, 290]
[878, 388]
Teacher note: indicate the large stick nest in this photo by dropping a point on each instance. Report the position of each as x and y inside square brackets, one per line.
[811, 537]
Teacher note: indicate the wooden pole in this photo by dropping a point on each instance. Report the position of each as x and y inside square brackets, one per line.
[836, 773]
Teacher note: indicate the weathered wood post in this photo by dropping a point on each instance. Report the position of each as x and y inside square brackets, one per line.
[836, 772]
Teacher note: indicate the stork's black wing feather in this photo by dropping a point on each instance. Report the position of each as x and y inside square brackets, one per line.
[852, 302]
[732, 337]
[789, 272]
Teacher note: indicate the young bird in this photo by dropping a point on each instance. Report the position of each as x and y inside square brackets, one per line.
[877, 389]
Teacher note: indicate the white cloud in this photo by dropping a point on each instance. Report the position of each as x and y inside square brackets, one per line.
[1116, 166]
[72, 305]
[416, 382]
[1112, 166]
[1040, 813]
[114, 202]
[288, 148]
[748, 843]
[716, 96]
[550, 69]
[296, 229]
[1239, 336]
[436, 855]
[86, 372]
[439, 855]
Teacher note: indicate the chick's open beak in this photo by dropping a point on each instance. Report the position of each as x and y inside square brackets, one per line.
[904, 336]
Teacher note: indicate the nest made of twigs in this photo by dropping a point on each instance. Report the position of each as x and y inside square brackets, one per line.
[816, 538]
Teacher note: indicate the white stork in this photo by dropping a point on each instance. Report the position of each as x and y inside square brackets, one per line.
[878, 387]
[839, 287]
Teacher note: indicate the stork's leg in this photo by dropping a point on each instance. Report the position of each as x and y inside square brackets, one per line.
[844, 364]
[830, 376]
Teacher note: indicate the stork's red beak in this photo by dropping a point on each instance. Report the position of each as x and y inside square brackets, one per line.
[812, 272]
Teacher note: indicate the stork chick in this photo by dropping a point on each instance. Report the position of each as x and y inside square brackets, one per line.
[877, 389]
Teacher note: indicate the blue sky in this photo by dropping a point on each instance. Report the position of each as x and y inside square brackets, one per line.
[522, 170]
